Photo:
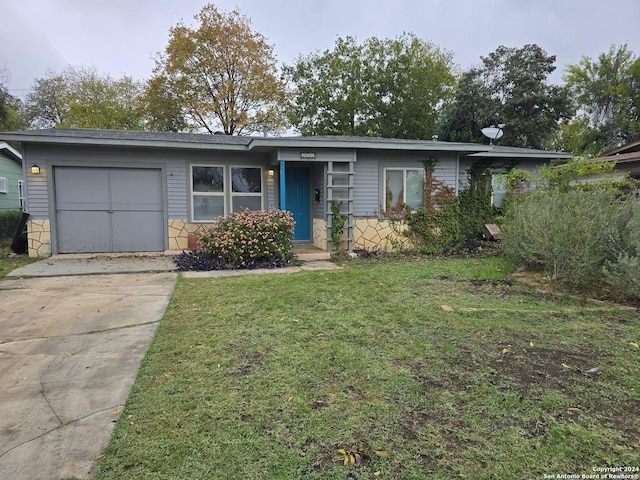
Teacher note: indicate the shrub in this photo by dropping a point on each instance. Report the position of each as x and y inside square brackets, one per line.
[433, 232]
[251, 239]
[9, 221]
[622, 272]
[198, 260]
[566, 233]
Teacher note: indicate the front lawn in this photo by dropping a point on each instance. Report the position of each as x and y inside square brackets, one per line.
[406, 368]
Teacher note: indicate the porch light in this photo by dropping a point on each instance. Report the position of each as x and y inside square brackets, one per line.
[271, 172]
[35, 169]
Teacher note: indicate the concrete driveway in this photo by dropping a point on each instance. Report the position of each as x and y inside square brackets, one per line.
[70, 348]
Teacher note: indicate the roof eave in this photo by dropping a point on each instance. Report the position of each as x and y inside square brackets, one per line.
[276, 142]
[11, 152]
[544, 155]
[67, 140]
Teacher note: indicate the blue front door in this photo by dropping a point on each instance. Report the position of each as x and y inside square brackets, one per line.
[298, 201]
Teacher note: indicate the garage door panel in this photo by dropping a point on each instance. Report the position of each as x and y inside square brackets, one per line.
[109, 209]
[83, 232]
[142, 237]
[82, 188]
[136, 189]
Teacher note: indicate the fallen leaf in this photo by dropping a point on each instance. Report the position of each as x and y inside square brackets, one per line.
[634, 344]
[303, 454]
[342, 451]
[504, 350]
[15, 426]
[380, 453]
[531, 344]
[573, 409]
[565, 365]
[116, 411]
[376, 473]
[446, 308]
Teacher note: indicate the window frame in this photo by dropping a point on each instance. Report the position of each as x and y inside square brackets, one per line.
[233, 194]
[193, 193]
[227, 193]
[4, 185]
[404, 186]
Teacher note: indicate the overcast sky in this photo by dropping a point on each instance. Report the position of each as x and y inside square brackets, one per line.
[121, 37]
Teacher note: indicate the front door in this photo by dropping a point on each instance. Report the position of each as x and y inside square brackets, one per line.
[298, 201]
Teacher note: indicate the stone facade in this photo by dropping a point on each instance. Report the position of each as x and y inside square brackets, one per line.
[179, 230]
[372, 233]
[320, 233]
[39, 238]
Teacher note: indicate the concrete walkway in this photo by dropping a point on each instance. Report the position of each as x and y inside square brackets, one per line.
[64, 265]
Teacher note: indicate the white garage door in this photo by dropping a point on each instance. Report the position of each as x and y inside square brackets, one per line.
[109, 210]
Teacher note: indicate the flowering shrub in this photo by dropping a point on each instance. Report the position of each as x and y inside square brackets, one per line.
[251, 239]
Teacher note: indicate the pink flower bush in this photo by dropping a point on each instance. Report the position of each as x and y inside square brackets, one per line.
[250, 238]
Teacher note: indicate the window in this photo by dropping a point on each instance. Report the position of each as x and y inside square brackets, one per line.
[21, 197]
[207, 187]
[211, 196]
[403, 187]
[3, 185]
[246, 191]
[498, 189]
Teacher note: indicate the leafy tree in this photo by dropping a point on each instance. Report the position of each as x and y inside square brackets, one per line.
[509, 88]
[388, 88]
[607, 92]
[10, 106]
[81, 97]
[220, 74]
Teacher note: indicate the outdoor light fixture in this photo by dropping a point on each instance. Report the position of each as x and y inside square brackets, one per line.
[35, 169]
[271, 172]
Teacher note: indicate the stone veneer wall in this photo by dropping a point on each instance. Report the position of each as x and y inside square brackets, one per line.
[372, 233]
[39, 238]
[320, 233]
[179, 230]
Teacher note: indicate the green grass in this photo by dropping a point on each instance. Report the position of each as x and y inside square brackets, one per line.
[10, 263]
[266, 377]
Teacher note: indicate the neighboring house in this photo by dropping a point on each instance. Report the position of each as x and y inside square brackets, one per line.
[627, 158]
[11, 179]
[126, 191]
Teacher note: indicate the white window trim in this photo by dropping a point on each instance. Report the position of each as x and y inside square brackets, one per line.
[4, 185]
[404, 183]
[192, 193]
[228, 194]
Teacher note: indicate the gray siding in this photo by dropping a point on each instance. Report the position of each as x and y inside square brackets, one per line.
[369, 191]
[174, 163]
[366, 192]
[321, 155]
[523, 164]
[318, 179]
